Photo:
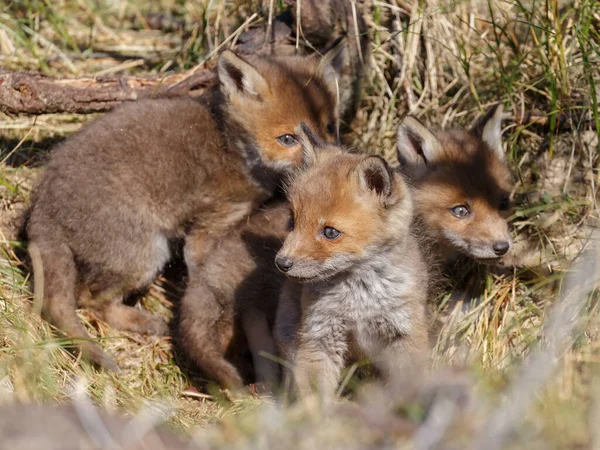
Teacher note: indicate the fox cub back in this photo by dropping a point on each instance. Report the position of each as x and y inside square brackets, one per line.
[363, 281]
[461, 185]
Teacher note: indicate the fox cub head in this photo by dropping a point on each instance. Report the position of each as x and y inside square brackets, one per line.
[269, 97]
[462, 184]
[346, 207]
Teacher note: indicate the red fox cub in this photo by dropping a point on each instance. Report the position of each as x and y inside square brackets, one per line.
[114, 195]
[461, 185]
[363, 281]
[233, 308]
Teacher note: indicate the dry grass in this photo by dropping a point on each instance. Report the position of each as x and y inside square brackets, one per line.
[444, 62]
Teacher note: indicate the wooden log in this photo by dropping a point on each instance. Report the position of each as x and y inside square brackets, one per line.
[34, 93]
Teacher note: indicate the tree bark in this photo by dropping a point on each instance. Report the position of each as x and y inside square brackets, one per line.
[34, 93]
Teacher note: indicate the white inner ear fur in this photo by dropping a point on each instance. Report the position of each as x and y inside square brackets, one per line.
[492, 132]
[414, 138]
[253, 82]
[309, 154]
[329, 69]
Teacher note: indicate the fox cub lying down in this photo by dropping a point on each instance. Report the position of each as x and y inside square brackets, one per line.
[114, 195]
[364, 282]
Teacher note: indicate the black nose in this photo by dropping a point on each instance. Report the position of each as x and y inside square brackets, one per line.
[283, 264]
[501, 247]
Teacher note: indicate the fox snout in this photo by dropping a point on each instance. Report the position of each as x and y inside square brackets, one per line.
[490, 249]
[299, 267]
[283, 263]
[499, 238]
[501, 247]
[483, 241]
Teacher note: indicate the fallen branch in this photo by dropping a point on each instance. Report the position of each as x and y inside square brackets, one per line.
[34, 93]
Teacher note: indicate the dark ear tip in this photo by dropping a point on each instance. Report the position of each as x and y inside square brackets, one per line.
[483, 120]
[303, 129]
[336, 44]
[306, 133]
[497, 108]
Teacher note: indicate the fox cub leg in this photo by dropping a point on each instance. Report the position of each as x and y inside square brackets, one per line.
[205, 331]
[320, 358]
[206, 325]
[405, 358]
[262, 345]
[287, 326]
[55, 276]
[128, 318]
[316, 369]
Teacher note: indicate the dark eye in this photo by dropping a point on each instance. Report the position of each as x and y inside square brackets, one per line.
[287, 140]
[291, 224]
[331, 128]
[504, 203]
[460, 211]
[331, 233]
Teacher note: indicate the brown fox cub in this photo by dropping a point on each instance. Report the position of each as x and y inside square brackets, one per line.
[363, 280]
[232, 309]
[461, 185]
[230, 305]
[114, 195]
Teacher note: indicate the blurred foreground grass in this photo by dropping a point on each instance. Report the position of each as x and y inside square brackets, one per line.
[443, 61]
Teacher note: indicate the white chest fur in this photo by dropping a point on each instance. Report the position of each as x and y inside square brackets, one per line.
[371, 305]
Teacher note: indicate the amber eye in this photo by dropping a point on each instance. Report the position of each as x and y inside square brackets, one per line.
[460, 211]
[287, 140]
[504, 203]
[330, 128]
[331, 233]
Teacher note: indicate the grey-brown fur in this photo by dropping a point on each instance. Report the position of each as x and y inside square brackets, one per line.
[362, 294]
[213, 345]
[377, 312]
[114, 195]
[242, 280]
[460, 167]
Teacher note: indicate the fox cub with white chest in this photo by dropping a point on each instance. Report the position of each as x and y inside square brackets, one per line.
[363, 282]
[114, 195]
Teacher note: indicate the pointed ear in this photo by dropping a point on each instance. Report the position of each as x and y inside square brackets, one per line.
[237, 76]
[416, 145]
[310, 142]
[489, 129]
[330, 66]
[376, 176]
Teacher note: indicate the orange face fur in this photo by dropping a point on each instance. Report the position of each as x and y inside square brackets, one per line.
[270, 98]
[345, 206]
[461, 185]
